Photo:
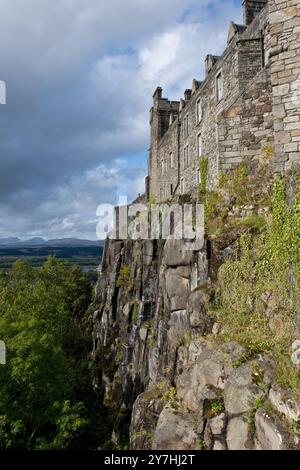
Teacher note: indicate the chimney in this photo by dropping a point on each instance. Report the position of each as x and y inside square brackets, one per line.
[252, 8]
[157, 94]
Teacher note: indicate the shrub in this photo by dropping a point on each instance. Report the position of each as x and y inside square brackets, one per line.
[135, 314]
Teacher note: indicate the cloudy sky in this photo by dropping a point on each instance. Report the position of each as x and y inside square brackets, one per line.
[80, 75]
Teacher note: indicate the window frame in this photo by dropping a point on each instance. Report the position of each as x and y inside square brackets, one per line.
[199, 110]
[182, 185]
[171, 160]
[186, 157]
[220, 89]
[186, 126]
[198, 176]
[199, 145]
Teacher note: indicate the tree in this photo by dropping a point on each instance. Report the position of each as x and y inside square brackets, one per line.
[46, 396]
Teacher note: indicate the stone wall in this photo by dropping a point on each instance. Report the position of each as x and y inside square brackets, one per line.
[246, 131]
[284, 31]
[241, 62]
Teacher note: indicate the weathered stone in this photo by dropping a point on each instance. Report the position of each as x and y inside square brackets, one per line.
[284, 403]
[208, 437]
[240, 391]
[238, 433]
[198, 316]
[212, 368]
[177, 290]
[178, 326]
[175, 254]
[296, 357]
[145, 412]
[270, 435]
[219, 445]
[218, 424]
[174, 431]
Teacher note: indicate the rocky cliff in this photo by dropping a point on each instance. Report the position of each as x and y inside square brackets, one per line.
[165, 366]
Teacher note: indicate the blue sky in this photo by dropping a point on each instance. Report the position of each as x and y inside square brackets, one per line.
[80, 76]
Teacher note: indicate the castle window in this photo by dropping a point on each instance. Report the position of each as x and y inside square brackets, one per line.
[186, 126]
[199, 145]
[171, 160]
[171, 189]
[220, 86]
[162, 167]
[186, 157]
[198, 177]
[199, 110]
[182, 188]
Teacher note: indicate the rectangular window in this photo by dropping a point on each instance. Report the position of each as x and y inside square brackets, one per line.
[199, 110]
[171, 160]
[182, 185]
[199, 145]
[186, 126]
[171, 189]
[185, 157]
[220, 86]
[198, 177]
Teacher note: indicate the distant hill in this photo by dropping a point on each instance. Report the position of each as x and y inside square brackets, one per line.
[14, 242]
[8, 241]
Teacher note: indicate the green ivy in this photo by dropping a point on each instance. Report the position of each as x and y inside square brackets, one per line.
[203, 169]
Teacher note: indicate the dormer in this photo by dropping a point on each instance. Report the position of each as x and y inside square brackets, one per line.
[195, 85]
[210, 61]
[233, 30]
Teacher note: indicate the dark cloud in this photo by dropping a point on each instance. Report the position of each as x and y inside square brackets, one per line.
[79, 77]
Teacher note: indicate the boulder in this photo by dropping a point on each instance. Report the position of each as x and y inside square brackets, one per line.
[177, 290]
[296, 357]
[177, 327]
[284, 403]
[269, 434]
[218, 424]
[198, 312]
[240, 392]
[145, 413]
[212, 367]
[176, 254]
[219, 445]
[237, 437]
[174, 431]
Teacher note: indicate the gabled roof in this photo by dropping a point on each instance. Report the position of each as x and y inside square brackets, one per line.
[234, 29]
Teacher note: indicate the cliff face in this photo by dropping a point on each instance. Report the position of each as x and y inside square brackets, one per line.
[162, 362]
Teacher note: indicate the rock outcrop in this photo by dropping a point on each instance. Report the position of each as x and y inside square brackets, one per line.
[161, 362]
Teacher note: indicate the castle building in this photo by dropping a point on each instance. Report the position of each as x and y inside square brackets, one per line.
[248, 102]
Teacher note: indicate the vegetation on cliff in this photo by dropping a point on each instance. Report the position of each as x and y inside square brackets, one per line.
[256, 295]
[46, 395]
